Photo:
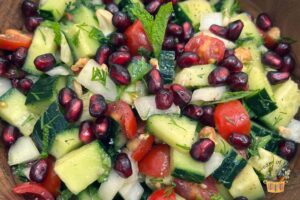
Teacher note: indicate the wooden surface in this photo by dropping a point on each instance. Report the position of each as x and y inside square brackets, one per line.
[286, 15]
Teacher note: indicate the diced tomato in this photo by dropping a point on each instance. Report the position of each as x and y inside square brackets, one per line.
[209, 49]
[123, 114]
[137, 38]
[157, 162]
[33, 189]
[144, 146]
[13, 39]
[163, 194]
[232, 117]
[52, 182]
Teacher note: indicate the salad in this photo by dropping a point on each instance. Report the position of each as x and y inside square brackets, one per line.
[152, 99]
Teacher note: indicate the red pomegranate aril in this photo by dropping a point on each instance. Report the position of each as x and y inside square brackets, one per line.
[169, 43]
[234, 30]
[3, 66]
[288, 64]
[118, 39]
[275, 77]
[74, 110]
[29, 8]
[119, 74]
[174, 29]
[188, 59]
[10, 135]
[31, 23]
[187, 31]
[119, 58]
[283, 48]
[193, 111]
[264, 22]
[65, 96]
[123, 165]
[228, 52]
[232, 63]
[202, 149]
[272, 59]
[123, 48]
[121, 21]
[239, 141]
[218, 30]
[45, 62]
[86, 134]
[153, 7]
[107, 1]
[102, 54]
[19, 56]
[237, 81]
[97, 105]
[179, 49]
[38, 171]
[218, 76]
[287, 149]
[24, 85]
[14, 73]
[154, 81]
[207, 118]
[164, 99]
[100, 128]
[182, 96]
[112, 7]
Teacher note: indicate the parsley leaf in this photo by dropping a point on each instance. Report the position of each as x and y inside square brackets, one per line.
[138, 69]
[96, 34]
[55, 26]
[18, 170]
[99, 75]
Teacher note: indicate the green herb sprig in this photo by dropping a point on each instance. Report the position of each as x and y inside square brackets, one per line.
[99, 75]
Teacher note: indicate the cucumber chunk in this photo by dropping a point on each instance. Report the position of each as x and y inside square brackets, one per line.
[65, 51]
[52, 9]
[82, 14]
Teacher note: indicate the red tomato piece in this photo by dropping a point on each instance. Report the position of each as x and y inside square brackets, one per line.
[137, 38]
[232, 117]
[13, 39]
[143, 148]
[157, 162]
[33, 189]
[209, 49]
[163, 194]
[123, 114]
[52, 182]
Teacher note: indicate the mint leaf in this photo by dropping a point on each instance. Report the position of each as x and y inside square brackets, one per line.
[99, 75]
[138, 69]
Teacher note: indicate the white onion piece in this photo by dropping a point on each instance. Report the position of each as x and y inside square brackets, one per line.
[58, 71]
[213, 163]
[208, 94]
[133, 191]
[292, 132]
[209, 19]
[5, 85]
[105, 21]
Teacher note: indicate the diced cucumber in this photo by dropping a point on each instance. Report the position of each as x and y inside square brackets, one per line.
[73, 167]
[82, 14]
[65, 142]
[167, 65]
[65, 51]
[247, 184]
[42, 43]
[176, 131]
[267, 164]
[14, 111]
[259, 130]
[91, 193]
[287, 98]
[195, 76]
[228, 7]
[185, 167]
[52, 9]
[224, 192]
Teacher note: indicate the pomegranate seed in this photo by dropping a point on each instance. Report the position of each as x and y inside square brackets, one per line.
[218, 76]
[187, 31]
[120, 58]
[97, 105]
[100, 128]
[202, 149]
[241, 198]
[19, 56]
[102, 54]
[237, 81]
[153, 7]
[272, 59]
[3, 66]
[24, 85]
[118, 39]
[112, 7]
[234, 30]
[65, 96]
[288, 64]
[14, 73]
[86, 134]
[283, 48]
[264, 21]
[107, 1]
[121, 21]
[275, 77]
[154, 81]
[239, 141]
[119, 74]
[31, 23]
[287, 149]
[39, 171]
[179, 49]
[181, 95]
[207, 117]
[123, 165]
[124, 48]
[228, 52]
[193, 111]
[218, 30]
[174, 29]
[164, 99]
[74, 110]
[232, 63]
[169, 43]
[45, 62]
[29, 8]
[10, 135]
[188, 59]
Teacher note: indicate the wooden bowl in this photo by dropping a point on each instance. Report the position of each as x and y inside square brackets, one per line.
[285, 14]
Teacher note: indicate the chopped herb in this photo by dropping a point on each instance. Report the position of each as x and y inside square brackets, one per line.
[96, 34]
[277, 120]
[241, 41]
[99, 75]
[18, 170]
[287, 40]
[75, 39]
[216, 197]
[169, 191]
[45, 144]
[156, 180]
[183, 147]
[65, 195]
[138, 69]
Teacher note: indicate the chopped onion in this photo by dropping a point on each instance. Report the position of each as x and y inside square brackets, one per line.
[132, 191]
[208, 19]
[213, 163]
[58, 71]
[208, 94]
[105, 21]
[5, 85]
[292, 132]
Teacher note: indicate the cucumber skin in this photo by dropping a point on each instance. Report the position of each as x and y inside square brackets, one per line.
[188, 176]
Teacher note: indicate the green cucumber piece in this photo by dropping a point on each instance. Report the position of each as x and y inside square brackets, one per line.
[65, 51]
[167, 65]
[222, 146]
[91, 193]
[52, 9]
[83, 14]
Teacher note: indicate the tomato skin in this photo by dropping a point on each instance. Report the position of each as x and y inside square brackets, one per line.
[52, 182]
[33, 189]
[137, 38]
[209, 49]
[232, 117]
[13, 39]
[123, 114]
[162, 194]
[157, 162]
[143, 148]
